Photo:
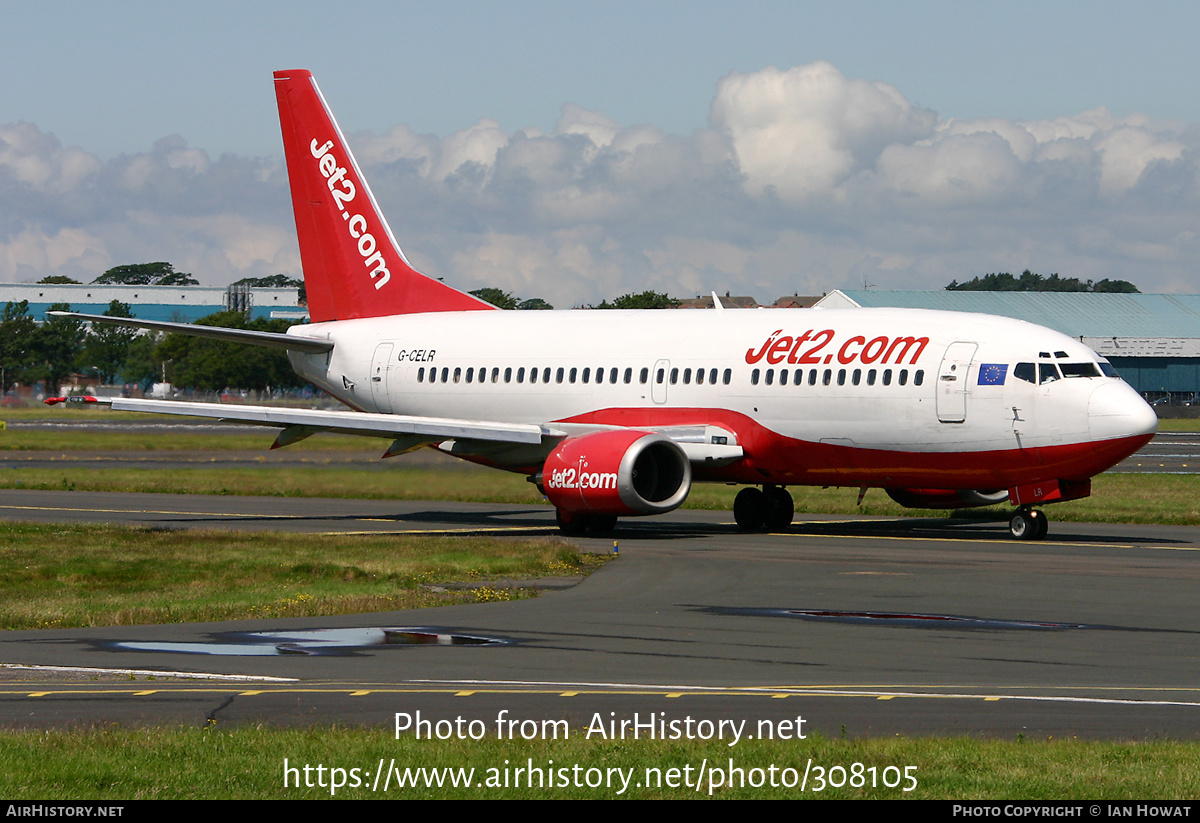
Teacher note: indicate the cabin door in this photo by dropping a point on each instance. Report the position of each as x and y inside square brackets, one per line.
[379, 374]
[953, 384]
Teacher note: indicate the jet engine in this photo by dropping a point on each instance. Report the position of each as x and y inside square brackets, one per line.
[620, 472]
[947, 498]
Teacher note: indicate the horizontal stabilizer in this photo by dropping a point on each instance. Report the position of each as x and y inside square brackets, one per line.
[270, 339]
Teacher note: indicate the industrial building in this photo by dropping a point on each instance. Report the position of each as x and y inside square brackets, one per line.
[184, 304]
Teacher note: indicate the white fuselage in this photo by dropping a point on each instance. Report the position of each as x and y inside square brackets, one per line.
[845, 396]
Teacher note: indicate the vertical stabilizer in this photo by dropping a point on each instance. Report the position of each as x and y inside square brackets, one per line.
[353, 266]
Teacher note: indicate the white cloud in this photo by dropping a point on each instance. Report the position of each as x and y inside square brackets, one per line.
[802, 131]
[805, 181]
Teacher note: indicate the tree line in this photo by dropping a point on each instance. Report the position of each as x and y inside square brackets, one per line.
[1030, 281]
[51, 351]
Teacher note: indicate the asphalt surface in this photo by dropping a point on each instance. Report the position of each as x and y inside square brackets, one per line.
[867, 626]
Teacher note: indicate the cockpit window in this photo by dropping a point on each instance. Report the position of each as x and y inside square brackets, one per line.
[1047, 373]
[1107, 369]
[1026, 372]
[1080, 370]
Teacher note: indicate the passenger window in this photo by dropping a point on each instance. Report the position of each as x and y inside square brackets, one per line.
[629, 376]
[674, 376]
[508, 375]
[421, 375]
[496, 374]
[871, 377]
[828, 378]
[521, 375]
[770, 376]
[612, 375]
[841, 377]
[919, 377]
[783, 377]
[727, 377]
[856, 377]
[712, 376]
[558, 375]
[887, 377]
[574, 374]
[699, 377]
[903, 377]
[754, 378]
[660, 376]
[445, 374]
[470, 374]
[587, 373]
[644, 376]
[687, 377]
[533, 374]
[812, 377]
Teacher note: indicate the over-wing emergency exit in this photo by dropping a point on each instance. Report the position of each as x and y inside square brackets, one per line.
[618, 413]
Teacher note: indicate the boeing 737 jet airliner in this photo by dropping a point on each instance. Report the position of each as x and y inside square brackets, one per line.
[618, 413]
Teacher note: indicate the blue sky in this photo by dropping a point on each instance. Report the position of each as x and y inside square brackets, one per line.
[114, 77]
[578, 150]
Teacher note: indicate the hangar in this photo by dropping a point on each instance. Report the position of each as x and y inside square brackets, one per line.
[184, 304]
[1153, 340]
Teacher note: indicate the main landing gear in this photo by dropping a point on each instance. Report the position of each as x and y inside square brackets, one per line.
[577, 524]
[1028, 524]
[769, 508]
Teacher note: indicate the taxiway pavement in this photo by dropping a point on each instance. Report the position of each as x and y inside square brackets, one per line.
[877, 626]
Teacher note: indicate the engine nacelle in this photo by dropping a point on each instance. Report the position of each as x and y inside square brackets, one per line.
[946, 498]
[617, 472]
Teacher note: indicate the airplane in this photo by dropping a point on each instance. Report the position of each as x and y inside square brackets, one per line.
[617, 413]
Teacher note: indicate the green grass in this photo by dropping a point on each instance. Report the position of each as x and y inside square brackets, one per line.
[1166, 499]
[86, 575]
[248, 762]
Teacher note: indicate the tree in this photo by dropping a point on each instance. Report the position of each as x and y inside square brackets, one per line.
[642, 300]
[496, 297]
[534, 304]
[214, 364]
[57, 345]
[1030, 281]
[16, 343]
[108, 345]
[275, 281]
[58, 280]
[145, 274]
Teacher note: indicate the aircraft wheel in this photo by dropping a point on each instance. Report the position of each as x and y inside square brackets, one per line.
[570, 523]
[750, 509]
[1027, 525]
[1043, 524]
[780, 508]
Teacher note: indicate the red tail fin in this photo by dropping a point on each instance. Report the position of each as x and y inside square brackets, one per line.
[352, 264]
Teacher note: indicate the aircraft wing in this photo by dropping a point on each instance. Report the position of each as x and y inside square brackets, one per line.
[300, 423]
[705, 445]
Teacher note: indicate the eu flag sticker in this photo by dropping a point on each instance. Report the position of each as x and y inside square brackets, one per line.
[992, 374]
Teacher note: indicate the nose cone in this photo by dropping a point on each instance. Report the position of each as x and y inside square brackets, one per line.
[1116, 411]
